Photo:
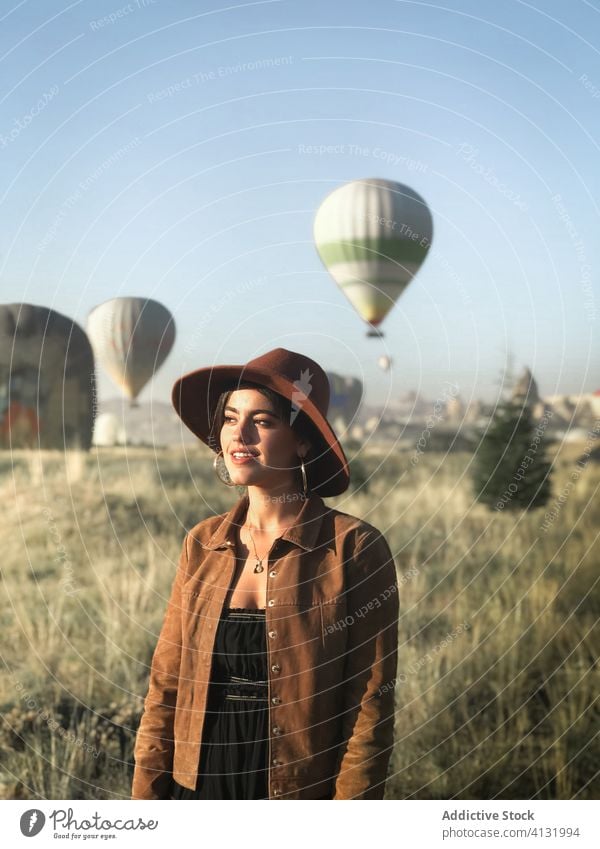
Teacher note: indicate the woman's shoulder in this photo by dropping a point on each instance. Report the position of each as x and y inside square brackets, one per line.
[203, 530]
[346, 524]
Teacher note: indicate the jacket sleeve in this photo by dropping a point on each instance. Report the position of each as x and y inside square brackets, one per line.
[369, 671]
[154, 745]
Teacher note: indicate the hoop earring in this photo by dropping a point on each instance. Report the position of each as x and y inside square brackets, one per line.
[220, 454]
[304, 481]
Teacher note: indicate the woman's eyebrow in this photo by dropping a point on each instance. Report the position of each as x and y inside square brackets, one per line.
[270, 412]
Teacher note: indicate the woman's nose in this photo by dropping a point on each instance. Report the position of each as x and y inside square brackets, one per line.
[242, 431]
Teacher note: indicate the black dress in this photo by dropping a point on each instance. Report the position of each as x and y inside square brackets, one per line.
[234, 751]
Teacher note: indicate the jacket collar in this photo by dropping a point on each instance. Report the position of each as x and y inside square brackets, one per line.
[303, 532]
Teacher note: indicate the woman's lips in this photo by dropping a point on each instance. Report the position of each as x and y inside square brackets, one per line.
[239, 461]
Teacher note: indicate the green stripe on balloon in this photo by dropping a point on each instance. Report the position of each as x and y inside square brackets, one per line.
[398, 250]
[368, 299]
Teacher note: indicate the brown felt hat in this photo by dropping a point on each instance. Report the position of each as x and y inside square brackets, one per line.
[295, 376]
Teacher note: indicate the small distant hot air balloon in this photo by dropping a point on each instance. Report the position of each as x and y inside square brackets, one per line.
[384, 362]
[132, 337]
[372, 236]
[344, 399]
[47, 380]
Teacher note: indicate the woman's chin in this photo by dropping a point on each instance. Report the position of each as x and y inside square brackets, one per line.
[243, 477]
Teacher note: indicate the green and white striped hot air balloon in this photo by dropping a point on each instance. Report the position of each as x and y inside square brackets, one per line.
[372, 236]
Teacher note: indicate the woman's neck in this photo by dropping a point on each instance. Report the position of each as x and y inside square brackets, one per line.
[271, 512]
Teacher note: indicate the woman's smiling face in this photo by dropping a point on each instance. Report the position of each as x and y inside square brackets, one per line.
[251, 424]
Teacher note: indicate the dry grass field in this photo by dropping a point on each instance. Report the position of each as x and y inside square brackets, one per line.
[498, 661]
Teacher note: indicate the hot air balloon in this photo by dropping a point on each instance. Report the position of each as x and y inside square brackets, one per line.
[384, 362]
[47, 380]
[344, 399]
[132, 337]
[372, 236]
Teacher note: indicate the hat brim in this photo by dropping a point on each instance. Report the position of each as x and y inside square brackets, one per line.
[194, 397]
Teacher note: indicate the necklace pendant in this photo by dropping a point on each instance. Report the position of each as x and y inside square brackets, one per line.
[259, 567]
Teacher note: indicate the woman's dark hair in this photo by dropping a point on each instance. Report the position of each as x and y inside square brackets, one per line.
[302, 425]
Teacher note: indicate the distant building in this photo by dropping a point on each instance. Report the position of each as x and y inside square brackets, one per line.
[108, 431]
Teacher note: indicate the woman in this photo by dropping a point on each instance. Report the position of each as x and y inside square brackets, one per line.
[273, 676]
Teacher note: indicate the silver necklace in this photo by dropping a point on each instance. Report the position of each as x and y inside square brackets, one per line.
[258, 567]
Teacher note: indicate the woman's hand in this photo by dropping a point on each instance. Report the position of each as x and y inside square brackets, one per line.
[369, 671]
[154, 744]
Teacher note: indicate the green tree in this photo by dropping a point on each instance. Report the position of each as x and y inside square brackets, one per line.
[510, 470]
[360, 477]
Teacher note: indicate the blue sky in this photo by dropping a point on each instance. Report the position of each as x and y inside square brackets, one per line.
[171, 158]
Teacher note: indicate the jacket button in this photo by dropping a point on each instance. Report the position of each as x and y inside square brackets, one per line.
[273, 573]
[276, 668]
[276, 700]
[271, 602]
[276, 791]
[276, 762]
[276, 730]
[272, 634]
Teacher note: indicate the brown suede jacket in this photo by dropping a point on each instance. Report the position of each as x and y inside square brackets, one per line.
[332, 640]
